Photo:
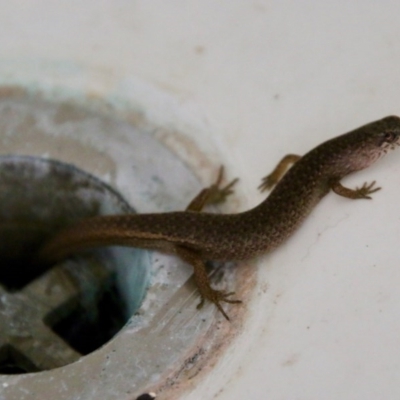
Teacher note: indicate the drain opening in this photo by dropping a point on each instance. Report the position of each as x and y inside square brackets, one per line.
[86, 330]
[14, 362]
[50, 317]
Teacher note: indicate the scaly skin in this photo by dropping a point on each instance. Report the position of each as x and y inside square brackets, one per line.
[199, 236]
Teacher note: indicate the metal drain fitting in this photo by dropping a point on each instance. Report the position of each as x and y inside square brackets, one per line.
[55, 315]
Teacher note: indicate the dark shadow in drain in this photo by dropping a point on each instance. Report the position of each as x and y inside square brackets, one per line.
[13, 362]
[86, 330]
[52, 315]
[16, 274]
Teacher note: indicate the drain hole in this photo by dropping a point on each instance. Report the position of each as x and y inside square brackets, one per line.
[15, 274]
[86, 330]
[13, 362]
[51, 316]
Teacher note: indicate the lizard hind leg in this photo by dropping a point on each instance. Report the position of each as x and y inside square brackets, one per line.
[269, 181]
[214, 194]
[203, 282]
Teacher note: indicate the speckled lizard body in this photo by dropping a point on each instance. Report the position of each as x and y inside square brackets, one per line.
[199, 236]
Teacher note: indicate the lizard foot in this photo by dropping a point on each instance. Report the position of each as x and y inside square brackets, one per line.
[214, 194]
[219, 194]
[217, 297]
[268, 182]
[365, 190]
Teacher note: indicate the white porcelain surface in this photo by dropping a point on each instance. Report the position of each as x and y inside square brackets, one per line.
[259, 79]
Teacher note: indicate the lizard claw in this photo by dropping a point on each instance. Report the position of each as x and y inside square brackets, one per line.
[267, 183]
[365, 190]
[217, 297]
[218, 193]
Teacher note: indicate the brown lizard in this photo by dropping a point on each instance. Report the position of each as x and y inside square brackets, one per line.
[199, 236]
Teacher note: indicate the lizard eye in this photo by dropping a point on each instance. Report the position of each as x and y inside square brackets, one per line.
[388, 138]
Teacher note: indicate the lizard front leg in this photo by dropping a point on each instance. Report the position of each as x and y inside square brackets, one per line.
[362, 192]
[213, 194]
[203, 282]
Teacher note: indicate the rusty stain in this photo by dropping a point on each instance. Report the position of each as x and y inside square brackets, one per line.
[187, 150]
[264, 287]
[291, 360]
[212, 345]
[66, 112]
[63, 147]
[199, 49]
[12, 92]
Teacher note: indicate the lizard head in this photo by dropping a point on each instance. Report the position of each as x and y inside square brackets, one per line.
[370, 142]
[385, 133]
[363, 146]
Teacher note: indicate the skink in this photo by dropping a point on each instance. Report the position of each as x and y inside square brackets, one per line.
[300, 183]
